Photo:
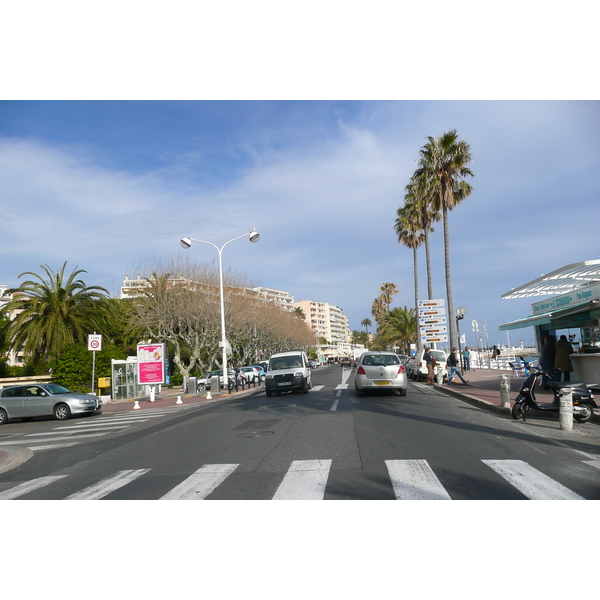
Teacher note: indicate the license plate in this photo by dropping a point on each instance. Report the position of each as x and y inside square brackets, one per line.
[285, 383]
[383, 383]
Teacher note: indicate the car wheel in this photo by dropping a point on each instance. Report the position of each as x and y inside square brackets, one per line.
[269, 393]
[305, 387]
[359, 393]
[62, 412]
[3, 416]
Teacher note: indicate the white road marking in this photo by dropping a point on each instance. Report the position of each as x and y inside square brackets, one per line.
[66, 437]
[335, 404]
[51, 446]
[593, 463]
[108, 485]
[317, 388]
[415, 480]
[199, 485]
[29, 486]
[531, 482]
[82, 428]
[305, 480]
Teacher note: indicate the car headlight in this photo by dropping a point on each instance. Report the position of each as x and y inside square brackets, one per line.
[269, 377]
[299, 374]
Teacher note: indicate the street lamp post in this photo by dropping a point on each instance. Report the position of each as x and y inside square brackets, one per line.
[186, 243]
[460, 314]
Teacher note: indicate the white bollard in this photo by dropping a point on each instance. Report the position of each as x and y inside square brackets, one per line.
[440, 376]
[152, 394]
[565, 412]
[136, 405]
[179, 401]
[505, 391]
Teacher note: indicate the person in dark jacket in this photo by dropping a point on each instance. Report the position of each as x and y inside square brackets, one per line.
[452, 363]
[562, 361]
[547, 356]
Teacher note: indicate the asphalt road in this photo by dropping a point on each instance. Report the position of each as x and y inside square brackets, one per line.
[327, 444]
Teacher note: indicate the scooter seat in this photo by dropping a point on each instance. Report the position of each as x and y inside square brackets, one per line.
[557, 385]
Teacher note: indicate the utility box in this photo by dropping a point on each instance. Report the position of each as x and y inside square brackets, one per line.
[103, 382]
[192, 385]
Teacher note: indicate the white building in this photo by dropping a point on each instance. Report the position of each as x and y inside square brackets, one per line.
[282, 299]
[15, 359]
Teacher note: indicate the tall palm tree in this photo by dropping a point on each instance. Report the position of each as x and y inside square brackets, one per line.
[443, 165]
[388, 291]
[378, 309]
[408, 230]
[366, 323]
[55, 311]
[422, 212]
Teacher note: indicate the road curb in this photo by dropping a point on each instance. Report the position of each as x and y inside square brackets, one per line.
[11, 457]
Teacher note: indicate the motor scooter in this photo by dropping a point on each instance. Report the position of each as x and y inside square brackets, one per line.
[583, 399]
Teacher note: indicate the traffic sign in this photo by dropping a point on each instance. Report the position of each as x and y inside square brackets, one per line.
[433, 320]
[433, 330]
[439, 338]
[95, 342]
[432, 312]
[431, 303]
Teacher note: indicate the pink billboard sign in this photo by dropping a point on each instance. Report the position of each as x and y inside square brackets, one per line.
[151, 363]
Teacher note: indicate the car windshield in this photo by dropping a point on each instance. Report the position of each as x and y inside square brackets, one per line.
[284, 362]
[383, 360]
[53, 389]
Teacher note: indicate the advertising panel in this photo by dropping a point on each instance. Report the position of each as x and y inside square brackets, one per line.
[151, 363]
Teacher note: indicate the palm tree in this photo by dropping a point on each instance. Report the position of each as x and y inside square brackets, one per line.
[388, 291]
[408, 230]
[421, 211]
[54, 312]
[398, 328]
[366, 323]
[442, 169]
[299, 312]
[378, 309]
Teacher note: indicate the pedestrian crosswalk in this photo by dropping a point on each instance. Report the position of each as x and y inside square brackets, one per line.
[73, 432]
[409, 479]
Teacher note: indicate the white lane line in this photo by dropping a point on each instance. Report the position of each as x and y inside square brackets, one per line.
[317, 388]
[51, 446]
[29, 486]
[108, 485]
[531, 482]
[415, 480]
[103, 424]
[593, 463]
[199, 485]
[65, 433]
[99, 427]
[335, 404]
[305, 480]
[66, 437]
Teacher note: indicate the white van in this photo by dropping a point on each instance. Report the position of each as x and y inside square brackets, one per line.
[288, 371]
[416, 368]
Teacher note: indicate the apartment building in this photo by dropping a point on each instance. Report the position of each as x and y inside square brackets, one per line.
[326, 321]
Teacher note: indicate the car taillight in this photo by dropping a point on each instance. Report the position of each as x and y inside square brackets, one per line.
[360, 371]
[401, 369]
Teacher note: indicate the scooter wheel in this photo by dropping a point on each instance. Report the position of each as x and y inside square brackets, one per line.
[517, 412]
[587, 410]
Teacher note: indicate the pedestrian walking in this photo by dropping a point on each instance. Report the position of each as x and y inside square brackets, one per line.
[562, 360]
[430, 362]
[547, 356]
[467, 358]
[453, 369]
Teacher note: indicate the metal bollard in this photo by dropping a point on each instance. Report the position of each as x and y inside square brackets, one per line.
[505, 391]
[565, 413]
[151, 393]
[440, 376]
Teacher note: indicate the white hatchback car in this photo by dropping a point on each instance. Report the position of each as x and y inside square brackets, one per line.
[380, 371]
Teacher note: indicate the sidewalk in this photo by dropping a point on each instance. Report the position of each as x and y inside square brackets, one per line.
[484, 390]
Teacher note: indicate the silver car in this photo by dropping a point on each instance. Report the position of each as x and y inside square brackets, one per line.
[380, 371]
[44, 399]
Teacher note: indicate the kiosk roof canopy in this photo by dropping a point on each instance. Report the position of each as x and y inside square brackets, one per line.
[562, 280]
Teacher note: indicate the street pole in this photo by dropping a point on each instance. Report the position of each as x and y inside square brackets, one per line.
[186, 243]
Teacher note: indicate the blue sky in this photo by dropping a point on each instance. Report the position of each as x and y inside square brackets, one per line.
[107, 185]
[120, 136]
